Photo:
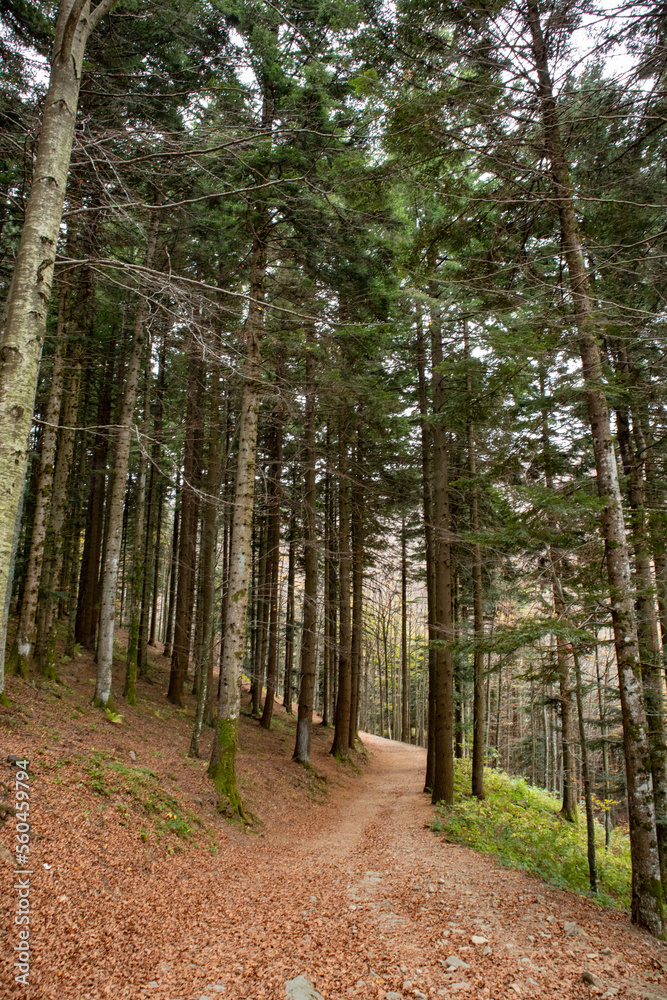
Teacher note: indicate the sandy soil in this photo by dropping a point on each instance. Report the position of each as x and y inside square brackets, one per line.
[346, 886]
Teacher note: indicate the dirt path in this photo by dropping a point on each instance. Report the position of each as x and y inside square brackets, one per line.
[359, 897]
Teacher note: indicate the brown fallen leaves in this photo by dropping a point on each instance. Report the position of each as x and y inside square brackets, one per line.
[341, 883]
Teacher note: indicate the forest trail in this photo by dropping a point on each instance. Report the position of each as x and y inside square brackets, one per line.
[349, 888]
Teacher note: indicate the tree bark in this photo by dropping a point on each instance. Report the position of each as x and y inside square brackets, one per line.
[443, 778]
[187, 552]
[429, 543]
[25, 637]
[222, 768]
[357, 594]
[116, 500]
[274, 564]
[340, 746]
[309, 626]
[478, 698]
[30, 289]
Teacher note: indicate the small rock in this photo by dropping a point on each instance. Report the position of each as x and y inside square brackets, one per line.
[590, 979]
[404, 969]
[592, 954]
[133, 756]
[487, 951]
[420, 995]
[301, 988]
[478, 939]
[407, 985]
[392, 995]
[605, 951]
[516, 987]
[458, 986]
[454, 962]
[153, 984]
[445, 934]
[572, 929]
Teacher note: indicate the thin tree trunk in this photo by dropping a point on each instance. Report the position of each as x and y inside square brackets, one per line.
[341, 739]
[289, 610]
[209, 545]
[443, 783]
[405, 688]
[117, 495]
[173, 575]
[222, 768]
[274, 564]
[357, 595]
[25, 636]
[478, 699]
[588, 792]
[45, 644]
[187, 552]
[429, 540]
[138, 550]
[309, 626]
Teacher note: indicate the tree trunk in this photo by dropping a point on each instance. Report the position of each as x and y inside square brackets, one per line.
[45, 644]
[309, 626]
[187, 552]
[274, 564]
[405, 687]
[443, 778]
[30, 289]
[222, 768]
[357, 595]
[427, 506]
[25, 636]
[647, 898]
[138, 551]
[117, 495]
[173, 575]
[341, 739]
[478, 698]
[87, 613]
[289, 610]
[588, 792]
[209, 545]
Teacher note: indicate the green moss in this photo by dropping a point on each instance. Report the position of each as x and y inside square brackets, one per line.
[522, 826]
[223, 772]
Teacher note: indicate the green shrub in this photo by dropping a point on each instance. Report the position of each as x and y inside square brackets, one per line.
[520, 824]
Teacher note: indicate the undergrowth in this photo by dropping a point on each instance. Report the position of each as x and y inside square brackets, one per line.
[520, 824]
[138, 791]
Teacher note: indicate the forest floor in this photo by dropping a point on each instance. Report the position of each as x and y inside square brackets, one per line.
[140, 889]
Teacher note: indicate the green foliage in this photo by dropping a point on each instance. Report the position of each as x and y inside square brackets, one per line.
[520, 824]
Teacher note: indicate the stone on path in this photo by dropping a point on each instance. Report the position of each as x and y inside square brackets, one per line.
[478, 939]
[454, 962]
[301, 988]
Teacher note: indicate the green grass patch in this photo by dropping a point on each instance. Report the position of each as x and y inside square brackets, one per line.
[520, 825]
